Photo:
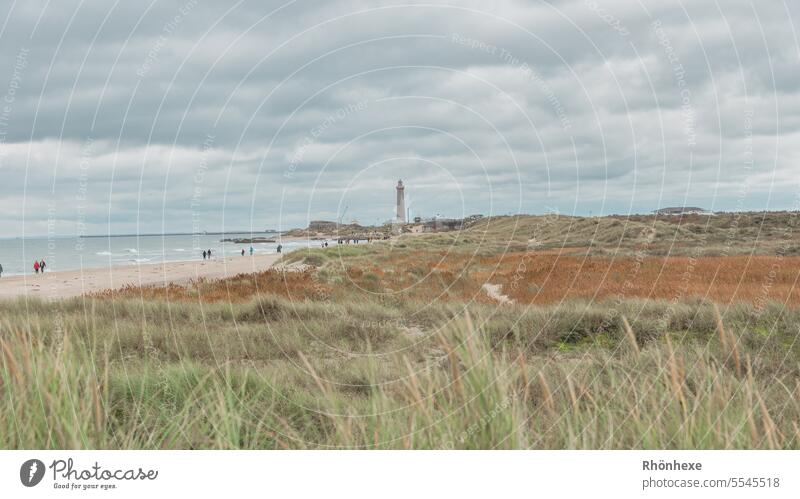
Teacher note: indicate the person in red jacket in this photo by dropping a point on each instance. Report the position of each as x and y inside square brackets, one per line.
[36, 266]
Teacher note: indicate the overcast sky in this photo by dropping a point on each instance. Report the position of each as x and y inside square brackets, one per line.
[162, 115]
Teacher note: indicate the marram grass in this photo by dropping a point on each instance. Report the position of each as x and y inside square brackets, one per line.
[274, 374]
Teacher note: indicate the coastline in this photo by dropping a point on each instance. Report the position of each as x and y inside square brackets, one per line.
[70, 283]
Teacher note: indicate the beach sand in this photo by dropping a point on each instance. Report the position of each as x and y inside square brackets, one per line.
[69, 283]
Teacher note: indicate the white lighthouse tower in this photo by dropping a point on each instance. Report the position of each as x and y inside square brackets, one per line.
[401, 202]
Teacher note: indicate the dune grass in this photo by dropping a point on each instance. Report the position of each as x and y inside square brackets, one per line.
[318, 373]
[553, 276]
[724, 234]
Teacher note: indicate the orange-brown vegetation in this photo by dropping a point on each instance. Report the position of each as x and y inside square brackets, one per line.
[547, 277]
[526, 277]
[532, 278]
[239, 288]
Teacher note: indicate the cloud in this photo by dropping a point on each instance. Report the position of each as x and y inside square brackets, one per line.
[268, 114]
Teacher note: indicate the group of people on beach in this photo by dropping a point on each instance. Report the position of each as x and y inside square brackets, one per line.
[355, 240]
[40, 265]
[252, 250]
[207, 253]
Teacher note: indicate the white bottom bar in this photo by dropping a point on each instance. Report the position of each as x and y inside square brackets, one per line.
[390, 474]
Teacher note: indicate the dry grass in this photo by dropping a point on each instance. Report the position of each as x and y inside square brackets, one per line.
[503, 379]
[534, 278]
[236, 289]
[764, 233]
[770, 233]
[547, 276]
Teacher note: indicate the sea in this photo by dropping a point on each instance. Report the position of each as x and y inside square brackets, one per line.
[17, 255]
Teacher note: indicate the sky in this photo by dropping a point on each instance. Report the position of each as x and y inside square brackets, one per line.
[191, 115]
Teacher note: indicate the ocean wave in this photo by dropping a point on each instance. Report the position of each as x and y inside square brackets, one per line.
[178, 249]
[103, 253]
[131, 250]
[140, 260]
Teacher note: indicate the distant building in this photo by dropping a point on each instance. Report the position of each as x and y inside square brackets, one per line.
[682, 210]
[438, 224]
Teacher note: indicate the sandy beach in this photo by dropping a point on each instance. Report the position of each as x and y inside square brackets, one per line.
[69, 283]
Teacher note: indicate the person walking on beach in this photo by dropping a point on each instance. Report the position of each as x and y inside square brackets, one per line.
[251, 251]
[280, 247]
[1, 270]
[42, 265]
[242, 251]
[36, 266]
[209, 254]
[204, 254]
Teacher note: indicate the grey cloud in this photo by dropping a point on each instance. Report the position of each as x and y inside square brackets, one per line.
[598, 108]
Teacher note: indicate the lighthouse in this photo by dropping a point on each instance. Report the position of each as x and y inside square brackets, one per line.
[401, 202]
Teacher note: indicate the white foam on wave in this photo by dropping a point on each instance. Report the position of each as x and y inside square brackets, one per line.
[131, 250]
[103, 253]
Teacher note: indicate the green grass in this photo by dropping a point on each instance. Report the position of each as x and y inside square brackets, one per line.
[765, 233]
[319, 257]
[272, 373]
